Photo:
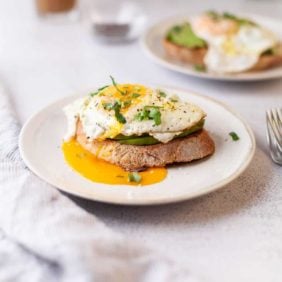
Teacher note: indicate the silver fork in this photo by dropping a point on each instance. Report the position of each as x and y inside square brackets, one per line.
[274, 133]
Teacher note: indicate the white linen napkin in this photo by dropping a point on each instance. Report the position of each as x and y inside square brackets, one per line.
[44, 236]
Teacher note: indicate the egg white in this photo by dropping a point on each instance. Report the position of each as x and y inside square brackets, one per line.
[236, 51]
[99, 123]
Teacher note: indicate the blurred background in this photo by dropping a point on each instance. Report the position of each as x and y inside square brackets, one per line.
[52, 48]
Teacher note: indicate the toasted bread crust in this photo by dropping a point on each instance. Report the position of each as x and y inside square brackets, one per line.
[184, 54]
[269, 61]
[196, 56]
[135, 158]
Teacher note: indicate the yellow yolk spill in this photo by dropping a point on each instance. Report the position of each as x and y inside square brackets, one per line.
[101, 171]
[132, 93]
[129, 95]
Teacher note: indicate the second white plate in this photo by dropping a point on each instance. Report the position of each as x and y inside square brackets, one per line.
[152, 45]
[41, 139]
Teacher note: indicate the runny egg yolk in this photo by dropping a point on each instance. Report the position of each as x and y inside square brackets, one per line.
[98, 170]
[128, 94]
[229, 47]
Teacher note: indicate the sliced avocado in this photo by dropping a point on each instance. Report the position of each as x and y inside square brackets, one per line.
[149, 140]
[183, 35]
[140, 141]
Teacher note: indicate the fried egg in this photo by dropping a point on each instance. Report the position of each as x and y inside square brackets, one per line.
[131, 109]
[233, 47]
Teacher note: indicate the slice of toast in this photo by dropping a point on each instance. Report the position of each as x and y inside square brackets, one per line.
[269, 61]
[134, 158]
[184, 54]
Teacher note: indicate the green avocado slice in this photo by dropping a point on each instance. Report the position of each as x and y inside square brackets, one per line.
[183, 35]
[150, 140]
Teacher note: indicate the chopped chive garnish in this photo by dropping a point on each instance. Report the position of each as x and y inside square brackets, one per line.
[108, 106]
[162, 94]
[234, 136]
[173, 100]
[155, 114]
[98, 91]
[135, 95]
[102, 88]
[200, 68]
[116, 107]
[126, 103]
[120, 118]
[115, 85]
[134, 177]
[150, 113]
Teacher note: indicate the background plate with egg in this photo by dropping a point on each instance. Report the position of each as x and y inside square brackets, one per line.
[152, 43]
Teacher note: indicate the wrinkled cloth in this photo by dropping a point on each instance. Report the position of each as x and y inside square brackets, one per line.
[44, 236]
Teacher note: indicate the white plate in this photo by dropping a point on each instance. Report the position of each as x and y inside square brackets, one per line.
[152, 45]
[40, 145]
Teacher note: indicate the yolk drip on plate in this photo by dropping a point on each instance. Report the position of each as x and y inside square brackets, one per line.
[101, 171]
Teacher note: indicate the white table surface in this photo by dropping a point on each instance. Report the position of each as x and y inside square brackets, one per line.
[231, 235]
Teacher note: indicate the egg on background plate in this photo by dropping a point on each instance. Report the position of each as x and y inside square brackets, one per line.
[234, 44]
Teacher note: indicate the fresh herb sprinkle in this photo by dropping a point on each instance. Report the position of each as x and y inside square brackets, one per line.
[135, 95]
[115, 85]
[126, 103]
[150, 113]
[134, 177]
[234, 136]
[116, 106]
[200, 68]
[98, 91]
[162, 94]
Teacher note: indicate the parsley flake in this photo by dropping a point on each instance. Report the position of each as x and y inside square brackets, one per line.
[200, 68]
[135, 95]
[234, 136]
[115, 85]
[162, 94]
[126, 103]
[120, 118]
[134, 177]
[98, 91]
[150, 113]
[116, 106]
[108, 106]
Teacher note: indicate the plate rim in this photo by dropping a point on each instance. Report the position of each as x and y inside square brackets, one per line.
[142, 202]
[260, 76]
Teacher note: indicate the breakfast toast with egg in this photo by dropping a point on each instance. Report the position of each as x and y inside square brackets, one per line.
[195, 56]
[224, 43]
[137, 127]
[135, 158]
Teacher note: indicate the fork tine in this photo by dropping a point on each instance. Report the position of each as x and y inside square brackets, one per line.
[278, 122]
[273, 122]
[272, 132]
[275, 151]
[279, 113]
